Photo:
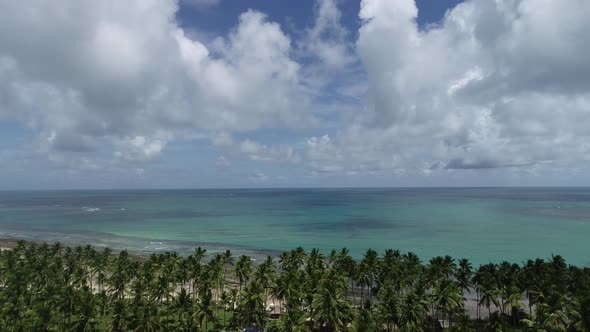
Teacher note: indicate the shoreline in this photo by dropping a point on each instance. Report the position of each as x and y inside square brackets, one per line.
[134, 245]
[9, 243]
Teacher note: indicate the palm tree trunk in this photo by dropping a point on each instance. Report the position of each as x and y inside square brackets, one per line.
[433, 319]
[352, 287]
[478, 309]
[362, 286]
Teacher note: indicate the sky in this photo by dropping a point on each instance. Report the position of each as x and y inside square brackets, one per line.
[308, 93]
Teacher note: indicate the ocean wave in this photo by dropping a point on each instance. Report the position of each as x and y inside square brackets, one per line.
[90, 209]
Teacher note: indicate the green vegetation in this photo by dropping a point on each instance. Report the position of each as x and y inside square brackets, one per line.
[56, 288]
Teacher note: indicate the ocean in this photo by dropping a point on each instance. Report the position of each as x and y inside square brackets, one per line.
[481, 224]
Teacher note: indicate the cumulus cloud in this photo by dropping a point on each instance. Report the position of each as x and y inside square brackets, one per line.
[256, 151]
[259, 177]
[496, 84]
[328, 39]
[139, 148]
[87, 74]
[221, 162]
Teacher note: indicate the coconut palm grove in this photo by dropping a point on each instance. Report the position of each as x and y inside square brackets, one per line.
[51, 287]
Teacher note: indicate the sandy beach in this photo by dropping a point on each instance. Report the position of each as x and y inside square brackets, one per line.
[8, 243]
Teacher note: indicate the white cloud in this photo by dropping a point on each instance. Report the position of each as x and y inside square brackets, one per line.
[499, 84]
[261, 152]
[222, 162]
[260, 178]
[328, 39]
[106, 77]
[256, 151]
[139, 148]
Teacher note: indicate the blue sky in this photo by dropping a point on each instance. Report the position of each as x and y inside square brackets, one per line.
[292, 15]
[309, 93]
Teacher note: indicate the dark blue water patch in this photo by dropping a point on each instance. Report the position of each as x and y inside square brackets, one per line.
[311, 203]
[519, 194]
[354, 224]
[561, 212]
[331, 200]
[172, 214]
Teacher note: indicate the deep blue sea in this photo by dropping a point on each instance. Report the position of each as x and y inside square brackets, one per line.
[482, 224]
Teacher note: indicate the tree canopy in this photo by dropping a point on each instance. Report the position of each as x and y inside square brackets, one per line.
[58, 288]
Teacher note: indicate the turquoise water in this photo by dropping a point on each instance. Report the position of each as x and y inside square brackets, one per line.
[482, 224]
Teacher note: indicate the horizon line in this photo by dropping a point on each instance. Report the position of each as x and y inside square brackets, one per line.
[296, 188]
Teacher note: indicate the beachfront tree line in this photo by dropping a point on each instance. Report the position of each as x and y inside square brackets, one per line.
[55, 288]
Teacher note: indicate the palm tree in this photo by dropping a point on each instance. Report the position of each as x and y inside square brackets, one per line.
[553, 319]
[347, 266]
[217, 273]
[181, 307]
[226, 303]
[119, 318]
[487, 298]
[228, 261]
[389, 307]
[204, 311]
[363, 278]
[149, 319]
[288, 287]
[85, 312]
[243, 269]
[41, 318]
[331, 309]
[265, 275]
[182, 272]
[199, 254]
[413, 311]
[448, 298]
[364, 319]
[293, 320]
[464, 274]
[369, 265]
[251, 309]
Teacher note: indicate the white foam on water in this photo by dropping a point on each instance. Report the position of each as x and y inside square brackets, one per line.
[90, 209]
